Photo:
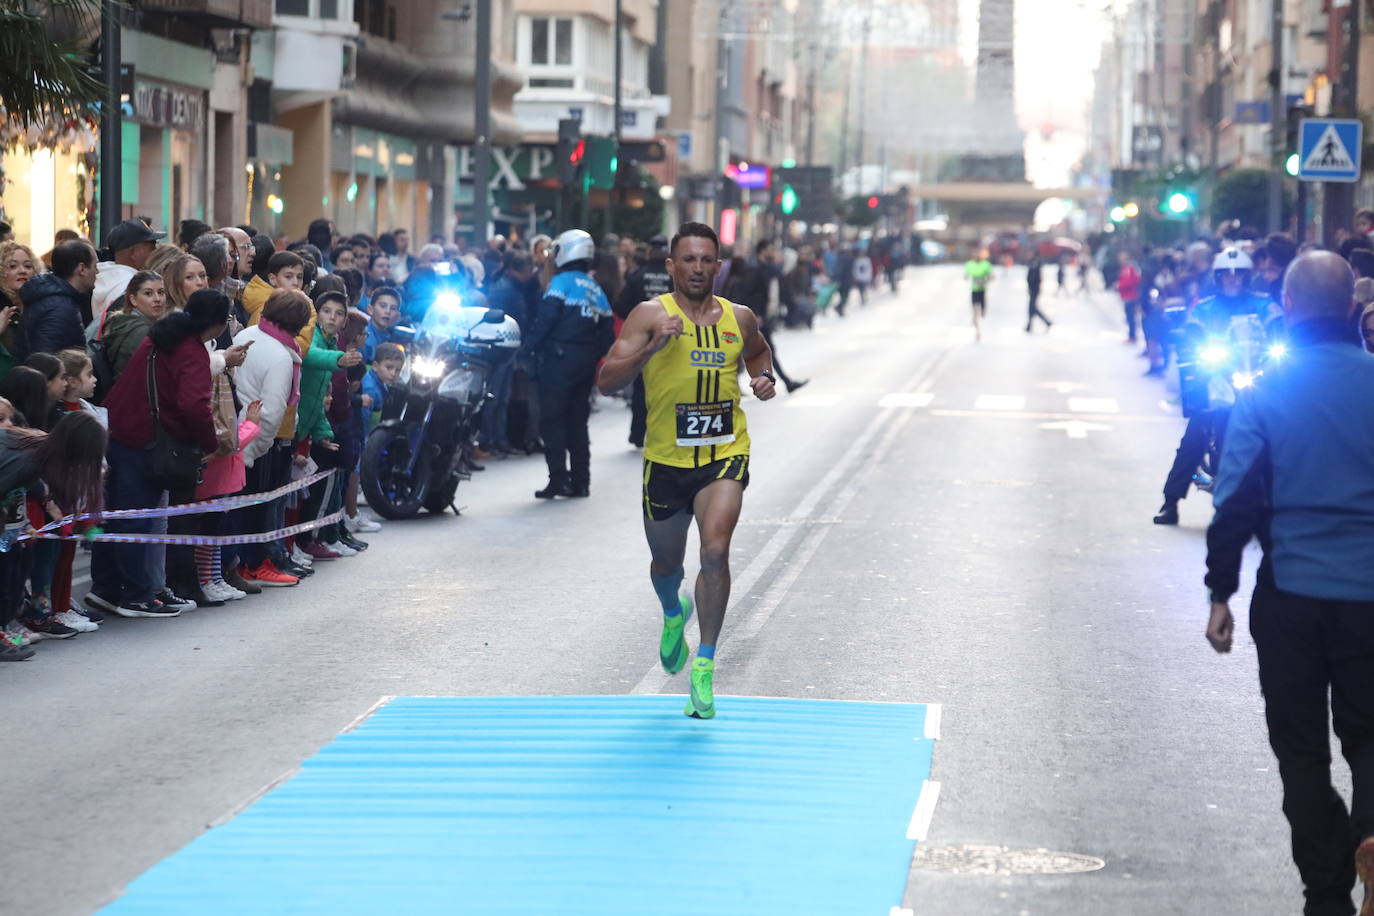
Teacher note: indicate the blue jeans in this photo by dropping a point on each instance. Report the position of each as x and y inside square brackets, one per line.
[120, 572]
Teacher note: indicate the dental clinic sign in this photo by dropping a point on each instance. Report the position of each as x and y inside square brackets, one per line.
[513, 168]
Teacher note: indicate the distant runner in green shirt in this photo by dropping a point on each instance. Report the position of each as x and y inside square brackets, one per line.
[979, 272]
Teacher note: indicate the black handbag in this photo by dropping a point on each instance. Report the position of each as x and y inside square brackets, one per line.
[171, 463]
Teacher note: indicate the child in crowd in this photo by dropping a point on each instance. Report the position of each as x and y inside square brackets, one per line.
[314, 436]
[56, 380]
[51, 580]
[385, 315]
[348, 405]
[223, 475]
[63, 470]
[387, 362]
[27, 390]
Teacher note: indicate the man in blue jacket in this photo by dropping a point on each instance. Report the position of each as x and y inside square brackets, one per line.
[52, 302]
[1298, 471]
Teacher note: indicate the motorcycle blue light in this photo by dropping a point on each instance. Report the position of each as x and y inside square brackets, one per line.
[1278, 351]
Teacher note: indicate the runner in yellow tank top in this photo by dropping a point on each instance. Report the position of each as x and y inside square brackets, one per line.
[690, 346]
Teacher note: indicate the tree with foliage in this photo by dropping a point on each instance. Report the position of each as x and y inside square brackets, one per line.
[42, 79]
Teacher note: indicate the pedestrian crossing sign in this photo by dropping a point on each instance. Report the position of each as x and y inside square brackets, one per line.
[1330, 149]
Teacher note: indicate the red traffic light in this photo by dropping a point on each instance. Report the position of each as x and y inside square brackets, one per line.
[578, 152]
[873, 203]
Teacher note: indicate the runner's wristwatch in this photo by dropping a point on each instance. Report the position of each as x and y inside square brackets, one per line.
[768, 374]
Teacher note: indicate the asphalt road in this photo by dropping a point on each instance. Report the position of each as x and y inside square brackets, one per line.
[931, 520]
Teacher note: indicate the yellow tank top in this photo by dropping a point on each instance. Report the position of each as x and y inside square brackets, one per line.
[692, 390]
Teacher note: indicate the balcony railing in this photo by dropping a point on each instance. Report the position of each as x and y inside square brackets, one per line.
[252, 14]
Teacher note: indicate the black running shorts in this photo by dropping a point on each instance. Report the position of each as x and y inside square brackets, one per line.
[668, 489]
[980, 299]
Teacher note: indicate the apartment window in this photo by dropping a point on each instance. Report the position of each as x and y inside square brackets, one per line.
[551, 40]
[542, 82]
[329, 9]
[293, 7]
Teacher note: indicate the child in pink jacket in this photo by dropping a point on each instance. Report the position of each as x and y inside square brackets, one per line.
[223, 476]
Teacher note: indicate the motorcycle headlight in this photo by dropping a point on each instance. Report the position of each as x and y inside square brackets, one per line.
[427, 367]
[1214, 354]
[1278, 351]
[1242, 380]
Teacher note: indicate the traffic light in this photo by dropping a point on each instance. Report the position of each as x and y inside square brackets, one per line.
[788, 200]
[1178, 203]
[601, 162]
[873, 203]
[571, 151]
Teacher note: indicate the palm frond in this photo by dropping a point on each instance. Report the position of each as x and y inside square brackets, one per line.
[42, 79]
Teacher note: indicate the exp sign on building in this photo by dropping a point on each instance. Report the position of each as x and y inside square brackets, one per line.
[749, 175]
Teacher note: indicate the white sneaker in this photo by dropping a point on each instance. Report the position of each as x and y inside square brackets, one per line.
[228, 592]
[341, 548]
[217, 591]
[77, 622]
[300, 557]
[360, 523]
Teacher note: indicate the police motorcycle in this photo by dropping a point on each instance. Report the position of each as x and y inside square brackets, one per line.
[422, 447]
[1221, 356]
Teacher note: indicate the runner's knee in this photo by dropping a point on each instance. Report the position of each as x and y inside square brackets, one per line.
[715, 554]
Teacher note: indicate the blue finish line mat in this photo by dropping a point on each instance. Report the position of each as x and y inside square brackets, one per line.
[604, 805]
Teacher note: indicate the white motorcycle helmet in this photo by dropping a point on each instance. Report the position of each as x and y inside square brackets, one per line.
[1232, 259]
[573, 245]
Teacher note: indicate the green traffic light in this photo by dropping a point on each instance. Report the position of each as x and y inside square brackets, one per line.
[1118, 214]
[1179, 203]
[789, 163]
[1293, 165]
[789, 200]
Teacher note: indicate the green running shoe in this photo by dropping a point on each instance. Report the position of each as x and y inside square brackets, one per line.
[702, 704]
[672, 645]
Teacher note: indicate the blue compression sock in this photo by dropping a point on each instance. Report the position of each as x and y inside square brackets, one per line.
[666, 587]
[705, 651]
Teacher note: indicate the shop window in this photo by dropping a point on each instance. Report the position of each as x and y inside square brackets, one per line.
[538, 82]
[293, 7]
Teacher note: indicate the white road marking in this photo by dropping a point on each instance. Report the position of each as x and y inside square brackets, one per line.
[907, 399]
[1094, 405]
[934, 714]
[925, 811]
[1077, 429]
[1062, 387]
[1000, 402]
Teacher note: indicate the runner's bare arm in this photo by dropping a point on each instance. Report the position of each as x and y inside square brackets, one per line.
[757, 356]
[645, 332]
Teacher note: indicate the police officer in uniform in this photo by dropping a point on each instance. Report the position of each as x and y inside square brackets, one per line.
[1211, 318]
[647, 282]
[573, 329]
